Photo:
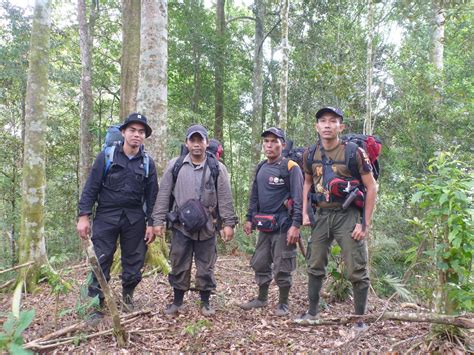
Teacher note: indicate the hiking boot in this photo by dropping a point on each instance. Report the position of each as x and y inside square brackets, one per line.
[207, 310]
[307, 317]
[282, 310]
[255, 303]
[173, 309]
[360, 327]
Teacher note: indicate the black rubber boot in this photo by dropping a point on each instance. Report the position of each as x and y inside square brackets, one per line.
[127, 297]
[314, 288]
[283, 295]
[263, 293]
[361, 292]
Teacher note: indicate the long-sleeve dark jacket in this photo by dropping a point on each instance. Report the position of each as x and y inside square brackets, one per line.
[270, 191]
[124, 189]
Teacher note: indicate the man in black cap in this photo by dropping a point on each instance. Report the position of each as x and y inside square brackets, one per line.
[194, 192]
[324, 170]
[120, 190]
[275, 210]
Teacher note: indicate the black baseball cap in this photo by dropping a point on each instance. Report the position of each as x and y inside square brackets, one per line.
[332, 109]
[197, 128]
[137, 118]
[276, 131]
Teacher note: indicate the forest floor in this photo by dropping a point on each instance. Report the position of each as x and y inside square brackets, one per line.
[231, 329]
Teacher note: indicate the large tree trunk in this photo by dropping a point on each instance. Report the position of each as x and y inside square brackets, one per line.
[257, 84]
[152, 84]
[219, 70]
[284, 65]
[368, 124]
[32, 242]
[131, 11]
[87, 102]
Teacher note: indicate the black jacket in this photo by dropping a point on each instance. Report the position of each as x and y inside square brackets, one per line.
[123, 190]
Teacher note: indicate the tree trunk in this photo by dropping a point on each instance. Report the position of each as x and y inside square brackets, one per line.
[219, 70]
[368, 127]
[193, 7]
[32, 243]
[152, 83]
[257, 84]
[131, 12]
[87, 102]
[438, 35]
[284, 65]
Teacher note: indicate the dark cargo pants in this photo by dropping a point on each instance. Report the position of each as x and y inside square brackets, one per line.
[182, 251]
[273, 248]
[132, 245]
[338, 224]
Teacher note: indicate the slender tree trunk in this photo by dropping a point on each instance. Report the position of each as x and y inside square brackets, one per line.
[274, 85]
[87, 100]
[131, 11]
[32, 242]
[284, 66]
[368, 124]
[438, 35]
[257, 83]
[219, 70]
[152, 84]
[193, 8]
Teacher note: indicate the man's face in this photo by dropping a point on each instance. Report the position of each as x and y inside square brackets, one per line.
[134, 135]
[272, 146]
[329, 125]
[197, 145]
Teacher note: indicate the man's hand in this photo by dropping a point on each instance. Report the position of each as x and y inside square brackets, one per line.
[358, 233]
[159, 231]
[227, 233]
[149, 235]
[248, 228]
[292, 235]
[306, 220]
[83, 227]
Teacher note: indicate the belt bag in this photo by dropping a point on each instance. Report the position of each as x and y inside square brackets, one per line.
[266, 222]
[192, 215]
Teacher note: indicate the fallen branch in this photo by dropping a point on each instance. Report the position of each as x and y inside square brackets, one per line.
[6, 284]
[119, 332]
[457, 321]
[16, 267]
[48, 343]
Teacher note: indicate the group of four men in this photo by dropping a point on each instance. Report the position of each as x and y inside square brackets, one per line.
[195, 201]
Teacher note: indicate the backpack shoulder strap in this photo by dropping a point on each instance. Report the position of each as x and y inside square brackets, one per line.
[213, 164]
[350, 156]
[109, 152]
[146, 164]
[177, 167]
[310, 157]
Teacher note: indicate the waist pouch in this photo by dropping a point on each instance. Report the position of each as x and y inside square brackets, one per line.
[266, 222]
[192, 215]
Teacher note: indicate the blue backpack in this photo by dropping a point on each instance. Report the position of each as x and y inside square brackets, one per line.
[114, 138]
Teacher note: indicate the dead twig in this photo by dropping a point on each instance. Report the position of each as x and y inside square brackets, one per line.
[237, 270]
[6, 284]
[16, 267]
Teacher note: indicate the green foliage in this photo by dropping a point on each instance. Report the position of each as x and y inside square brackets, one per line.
[195, 328]
[444, 196]
[338, 286]
[11, 338]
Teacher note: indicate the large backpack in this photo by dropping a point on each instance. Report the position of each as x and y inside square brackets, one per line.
[370, 144]
[295, 154]
[114, 138]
